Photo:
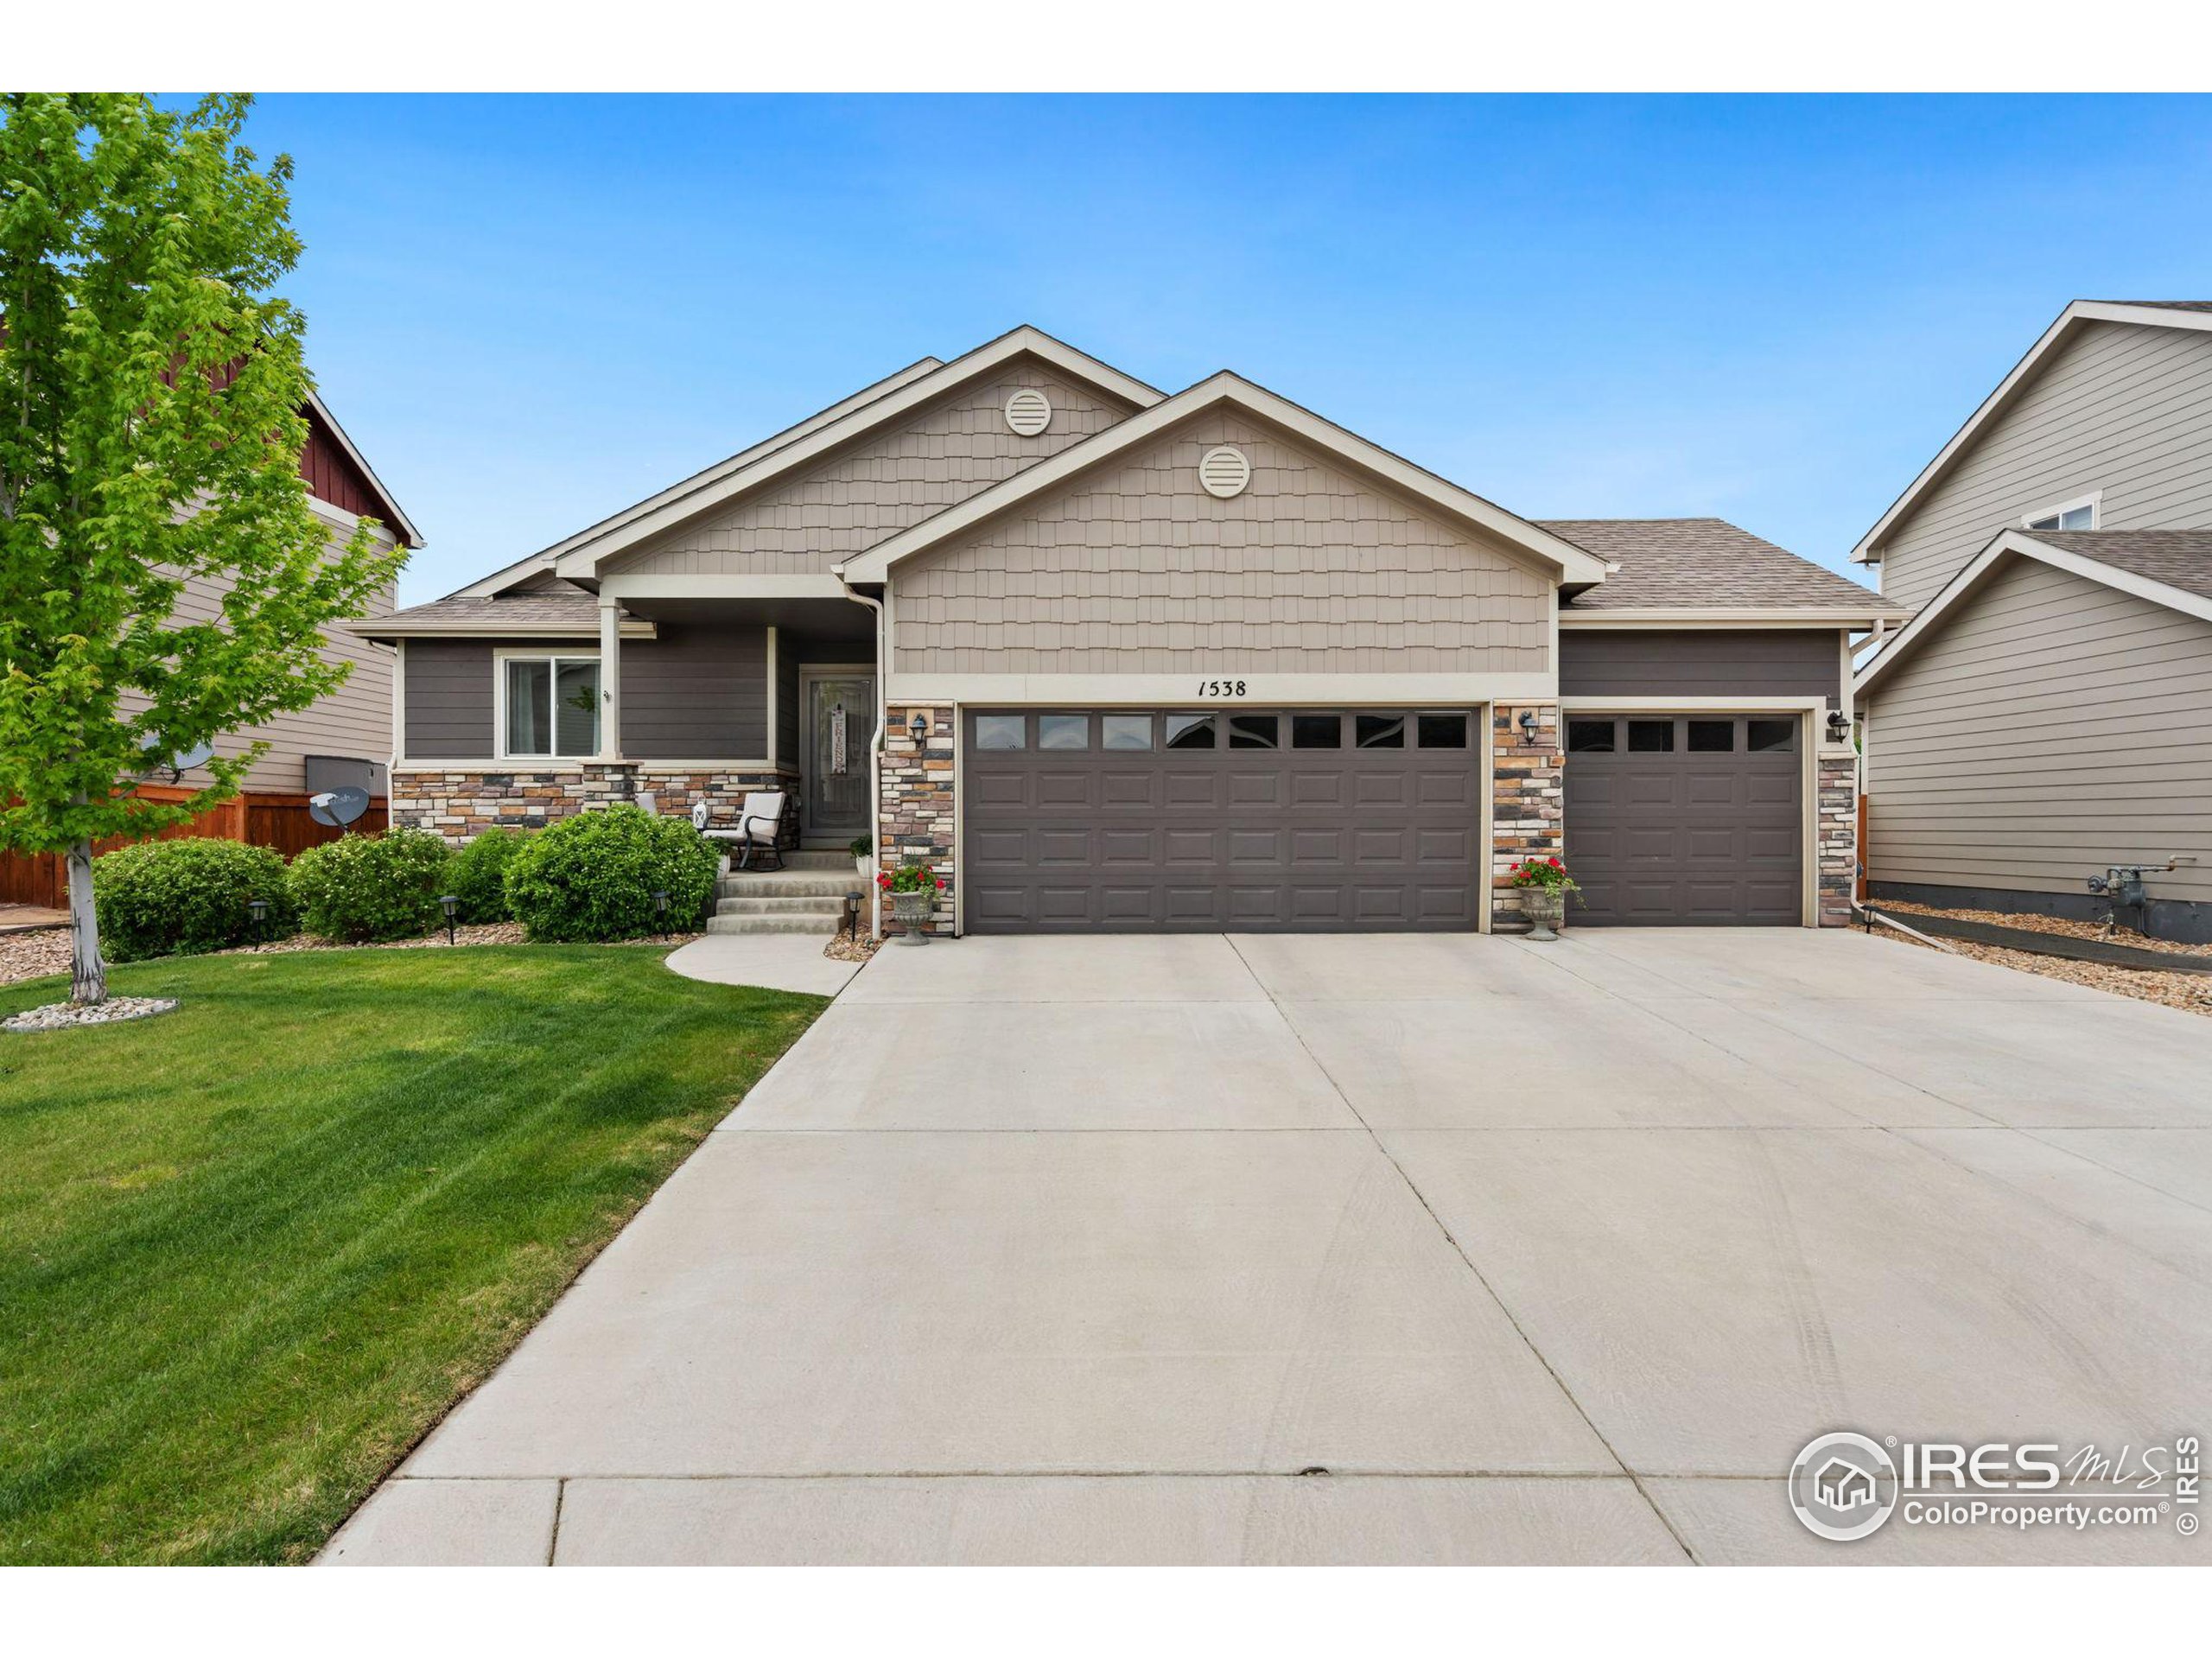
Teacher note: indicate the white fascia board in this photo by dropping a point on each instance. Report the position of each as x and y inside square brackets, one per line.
[1740, 617]
[403, 524]
[1574, 563]
[2009, 545]
[2081, 311]
[1263, 690]
[646, 585]
[582, 556]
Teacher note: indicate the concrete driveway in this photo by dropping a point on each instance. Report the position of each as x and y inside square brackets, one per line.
[1430, 1248]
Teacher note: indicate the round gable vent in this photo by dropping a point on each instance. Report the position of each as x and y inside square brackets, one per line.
[1028, 412]
[1224, 472]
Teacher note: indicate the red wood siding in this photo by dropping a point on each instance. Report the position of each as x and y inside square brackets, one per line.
[332, 475]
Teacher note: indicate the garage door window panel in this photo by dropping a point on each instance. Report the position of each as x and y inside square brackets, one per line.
[1770, 736]
[1062, 732]
[1650, 736]
[1190, 732]
[1590, 736]
[1712, 736]
[1126, 732]
[1253, 731]
[1381, 731]
[1317, 731]
[1441, 731]
[1001, 732]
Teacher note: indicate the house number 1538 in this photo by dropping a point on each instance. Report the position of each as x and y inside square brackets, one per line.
[1221, 688]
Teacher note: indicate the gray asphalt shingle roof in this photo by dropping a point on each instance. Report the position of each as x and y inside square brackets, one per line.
[2168, 305]
[551, 607]
[2180, 558]
[1706, 563]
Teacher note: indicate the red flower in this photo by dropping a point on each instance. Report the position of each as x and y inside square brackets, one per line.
[883, 880]
[1554, 863]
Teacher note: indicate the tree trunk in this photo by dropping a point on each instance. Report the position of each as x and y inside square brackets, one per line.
[87, 972]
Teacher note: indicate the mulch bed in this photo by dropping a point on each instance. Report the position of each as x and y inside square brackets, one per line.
[34, 956]
[2189, 992]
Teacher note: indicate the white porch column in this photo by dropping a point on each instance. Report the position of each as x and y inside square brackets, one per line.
[610, 679]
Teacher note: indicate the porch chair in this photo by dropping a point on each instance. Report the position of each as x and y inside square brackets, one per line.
[759, 825]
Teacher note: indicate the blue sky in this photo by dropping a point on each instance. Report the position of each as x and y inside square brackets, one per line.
[531, 311]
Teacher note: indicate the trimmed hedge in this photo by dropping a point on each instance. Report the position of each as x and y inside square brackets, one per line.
[478, 875]
[593, 876]
[180, 897]
[361, 889]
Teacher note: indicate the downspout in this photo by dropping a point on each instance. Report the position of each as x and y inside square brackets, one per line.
[875, 751]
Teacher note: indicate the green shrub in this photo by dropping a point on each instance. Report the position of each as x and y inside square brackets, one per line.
[478, 875]
[178, 898]
[362, 888]
[593, 876]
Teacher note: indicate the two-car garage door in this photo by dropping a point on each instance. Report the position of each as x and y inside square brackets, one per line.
[1244, 820]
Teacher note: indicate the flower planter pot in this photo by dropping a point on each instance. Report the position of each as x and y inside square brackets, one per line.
[863, 866]
[1546, 909]
[915, 912]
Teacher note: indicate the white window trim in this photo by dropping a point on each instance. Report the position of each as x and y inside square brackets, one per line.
[501, 655]
[2094, 501]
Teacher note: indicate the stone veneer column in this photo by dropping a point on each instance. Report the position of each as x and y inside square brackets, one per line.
[917, 803]
[1836, 788]
[1526, 795]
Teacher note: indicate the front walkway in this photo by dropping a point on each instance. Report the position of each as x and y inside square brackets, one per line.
[1369, 1249]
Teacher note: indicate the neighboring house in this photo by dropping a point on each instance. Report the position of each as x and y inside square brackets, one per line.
[2048, 713]
[1144, 662]
[344, 739]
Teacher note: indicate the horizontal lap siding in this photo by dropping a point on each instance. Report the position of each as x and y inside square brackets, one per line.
[353, 721]
[2121, 409]
[852, 499]
[2054, 726]
[1719, 663]
[449, 694]
[695, 693]
[1136, 569]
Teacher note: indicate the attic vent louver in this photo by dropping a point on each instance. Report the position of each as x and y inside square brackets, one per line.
[1028, 412]
[1224, 472]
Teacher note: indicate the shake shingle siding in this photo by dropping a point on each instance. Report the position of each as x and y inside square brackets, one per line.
[1134, 569]
[2052, 727]
[848, 501]
[2120, 409]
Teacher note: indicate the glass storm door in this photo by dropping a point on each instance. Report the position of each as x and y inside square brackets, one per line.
[841, 726]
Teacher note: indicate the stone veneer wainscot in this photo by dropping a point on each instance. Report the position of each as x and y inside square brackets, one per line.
[462, 805]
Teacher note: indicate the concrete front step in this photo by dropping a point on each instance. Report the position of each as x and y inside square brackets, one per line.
[788, 884]
[814, 860]
[781, 905]
[781, 922]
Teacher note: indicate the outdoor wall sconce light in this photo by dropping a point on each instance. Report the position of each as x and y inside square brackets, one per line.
[449, 903]
[1528, 725]
[1839, 726]
[920, 725]
[660, 912]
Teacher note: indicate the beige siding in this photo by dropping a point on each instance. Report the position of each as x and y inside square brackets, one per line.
[2053, 727]
[2120, 409]
[1134, 569]
[353, 722]
[848, 501]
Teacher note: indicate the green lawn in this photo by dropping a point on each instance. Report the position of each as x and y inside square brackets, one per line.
[251, 1250]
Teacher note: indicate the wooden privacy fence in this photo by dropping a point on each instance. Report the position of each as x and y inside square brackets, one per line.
[275, 820]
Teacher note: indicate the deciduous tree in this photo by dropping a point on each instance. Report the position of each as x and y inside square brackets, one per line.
[151, 391]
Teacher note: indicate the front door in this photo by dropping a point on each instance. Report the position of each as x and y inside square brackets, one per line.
[840, 727]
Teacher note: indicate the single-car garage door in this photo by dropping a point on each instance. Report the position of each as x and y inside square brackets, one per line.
[1240, 820]
[1685, 819]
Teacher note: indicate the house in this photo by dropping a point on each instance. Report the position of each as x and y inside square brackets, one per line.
[2046, 714]
[1149, 661]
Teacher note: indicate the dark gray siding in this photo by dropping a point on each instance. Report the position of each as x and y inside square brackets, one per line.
[788, 648]
[696, 694]
[1694, 662]
[448, 700]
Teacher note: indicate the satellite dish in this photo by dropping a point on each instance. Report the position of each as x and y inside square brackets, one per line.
[176, 766]
[337, 807]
